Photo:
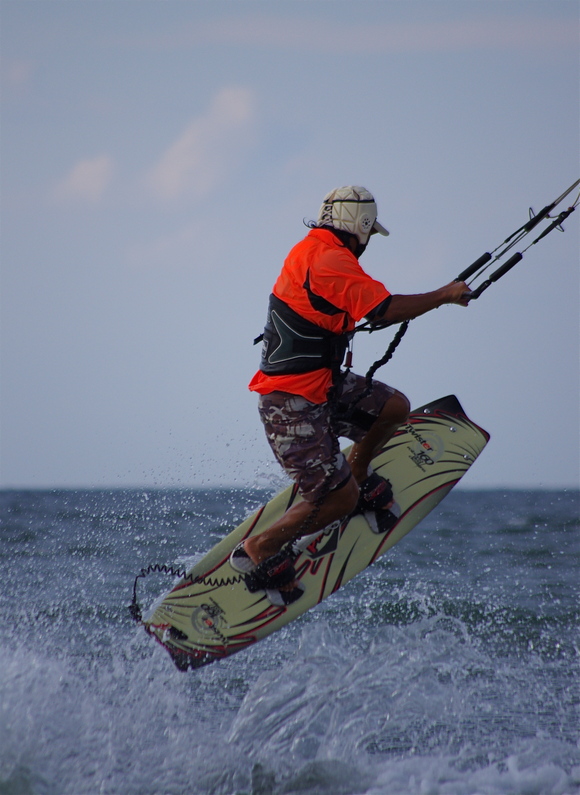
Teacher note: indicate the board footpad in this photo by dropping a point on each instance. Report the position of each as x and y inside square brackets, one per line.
[271, 573]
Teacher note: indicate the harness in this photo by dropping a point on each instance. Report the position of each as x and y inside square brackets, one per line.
[292, 345]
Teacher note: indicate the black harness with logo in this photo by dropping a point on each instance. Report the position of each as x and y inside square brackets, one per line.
[291, 344]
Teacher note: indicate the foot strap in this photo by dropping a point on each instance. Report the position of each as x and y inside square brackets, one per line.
[271, 573]
[375, 494]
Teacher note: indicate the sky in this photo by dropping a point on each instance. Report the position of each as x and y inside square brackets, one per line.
[158, 161]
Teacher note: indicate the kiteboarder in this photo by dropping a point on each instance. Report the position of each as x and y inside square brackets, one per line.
[306, 401]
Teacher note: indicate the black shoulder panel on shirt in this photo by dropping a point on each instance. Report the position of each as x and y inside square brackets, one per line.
[379, 309]
[319, 303]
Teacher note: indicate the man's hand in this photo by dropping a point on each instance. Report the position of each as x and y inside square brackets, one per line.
[456, 293]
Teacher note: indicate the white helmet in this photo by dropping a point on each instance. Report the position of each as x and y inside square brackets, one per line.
[352, 209]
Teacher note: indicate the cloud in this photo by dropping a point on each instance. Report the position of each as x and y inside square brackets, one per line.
[88, 179]
[212, 144]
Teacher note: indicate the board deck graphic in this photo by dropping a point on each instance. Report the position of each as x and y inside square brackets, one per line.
[210, 613]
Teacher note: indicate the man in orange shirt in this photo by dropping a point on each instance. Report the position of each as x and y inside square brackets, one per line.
[307, 402]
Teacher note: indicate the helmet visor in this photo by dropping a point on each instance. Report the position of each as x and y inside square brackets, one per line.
[379, 229]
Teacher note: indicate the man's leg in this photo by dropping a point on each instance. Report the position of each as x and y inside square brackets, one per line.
[337, 504]
[342, 499]
[301, 436]
[393, 414]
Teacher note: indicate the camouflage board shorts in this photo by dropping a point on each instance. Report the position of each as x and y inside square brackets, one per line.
[303, 441]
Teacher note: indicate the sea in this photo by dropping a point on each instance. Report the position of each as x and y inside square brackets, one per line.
[448, 667]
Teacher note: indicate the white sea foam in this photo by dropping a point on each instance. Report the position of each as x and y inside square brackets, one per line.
[412, 679]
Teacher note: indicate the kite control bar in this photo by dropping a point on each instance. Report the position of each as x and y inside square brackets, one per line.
[482, 264]
[486, 260]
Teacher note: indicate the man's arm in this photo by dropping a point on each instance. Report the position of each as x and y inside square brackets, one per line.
[406, 307]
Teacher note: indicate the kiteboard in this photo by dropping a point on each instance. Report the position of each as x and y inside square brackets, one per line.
[210, 614]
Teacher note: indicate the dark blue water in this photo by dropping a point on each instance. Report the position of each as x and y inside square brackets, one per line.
[450, 667]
